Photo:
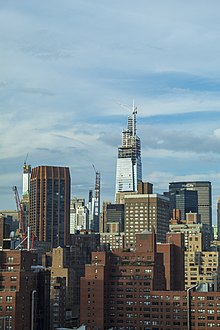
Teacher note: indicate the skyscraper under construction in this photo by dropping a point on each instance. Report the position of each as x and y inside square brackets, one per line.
[129, 167]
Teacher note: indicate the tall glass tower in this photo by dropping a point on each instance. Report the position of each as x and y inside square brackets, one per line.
[129, 167]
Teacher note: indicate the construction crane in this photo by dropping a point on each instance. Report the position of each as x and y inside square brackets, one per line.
[20, 212]
[24, 233]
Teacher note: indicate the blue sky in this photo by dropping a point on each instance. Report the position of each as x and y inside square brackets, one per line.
[69, 73]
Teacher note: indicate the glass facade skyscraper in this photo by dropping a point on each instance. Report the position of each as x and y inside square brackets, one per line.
[204, 191]
[129, 167]
[184, 200]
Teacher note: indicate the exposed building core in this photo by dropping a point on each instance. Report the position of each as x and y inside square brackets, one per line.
[26, 179]
[25, 201]
[129, 168]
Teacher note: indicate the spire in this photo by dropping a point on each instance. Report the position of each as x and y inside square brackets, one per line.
[132, 121]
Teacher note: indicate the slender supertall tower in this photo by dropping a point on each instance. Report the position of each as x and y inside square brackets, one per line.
[129, 168]
[94, 204]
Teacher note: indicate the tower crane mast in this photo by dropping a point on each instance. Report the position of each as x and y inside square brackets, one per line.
[20, 212]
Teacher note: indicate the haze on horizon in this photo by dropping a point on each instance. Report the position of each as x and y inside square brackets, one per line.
[68, 68]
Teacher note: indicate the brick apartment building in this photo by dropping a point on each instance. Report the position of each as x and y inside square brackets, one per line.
[67, 266]
[143, 290]
[201, 264]
[24, 292]
[117, 284]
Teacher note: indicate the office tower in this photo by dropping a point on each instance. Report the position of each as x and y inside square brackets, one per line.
[145, 211]
[184, 200]
[50, 204]
[112, 234]
[218, 218]
[113, 217]
[129, 168]
[116, 289]
[79, 215]
[204, 191]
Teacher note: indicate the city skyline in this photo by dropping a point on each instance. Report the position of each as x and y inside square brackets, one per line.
[69, 74]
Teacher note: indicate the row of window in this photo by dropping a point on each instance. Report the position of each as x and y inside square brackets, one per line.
[8, 298]
[12, 278]
[7, 308]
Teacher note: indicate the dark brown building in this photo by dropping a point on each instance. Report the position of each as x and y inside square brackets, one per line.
[50, 204]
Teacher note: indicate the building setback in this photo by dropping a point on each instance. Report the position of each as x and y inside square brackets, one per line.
[50, 204]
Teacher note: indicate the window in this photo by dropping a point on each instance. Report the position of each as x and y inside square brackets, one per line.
[13, 288]
[8, 308]
[9, 298]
